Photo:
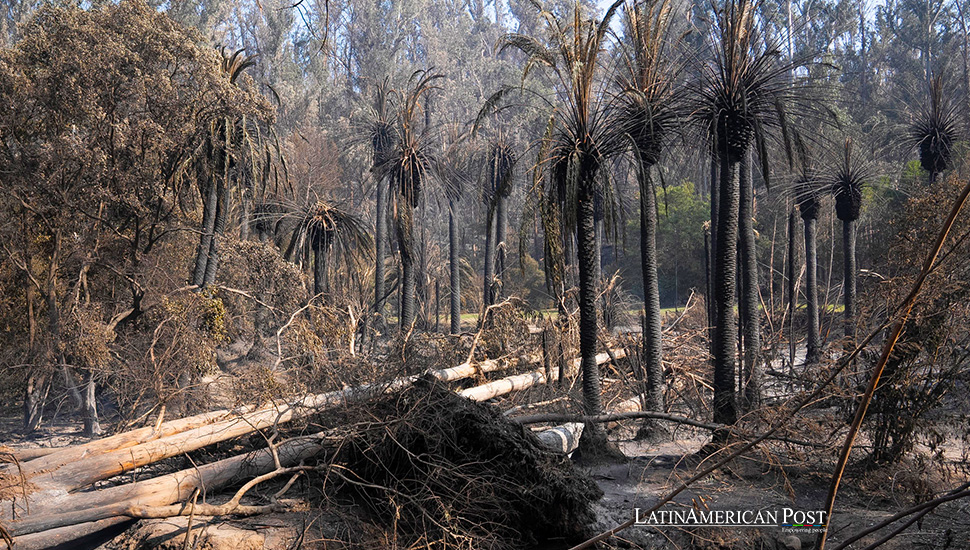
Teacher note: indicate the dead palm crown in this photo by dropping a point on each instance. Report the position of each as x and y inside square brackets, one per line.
[652, 108]
[497, 171]
[740, 94]
[241, 153]
[376, 128]
[580, 140]
[934, 129]
[852, 173]
[319, 228]
[407, 164]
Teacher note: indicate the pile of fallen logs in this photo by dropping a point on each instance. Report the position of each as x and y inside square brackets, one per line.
[51, 499]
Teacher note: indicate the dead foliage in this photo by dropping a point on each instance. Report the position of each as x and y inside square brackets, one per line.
[448, 472]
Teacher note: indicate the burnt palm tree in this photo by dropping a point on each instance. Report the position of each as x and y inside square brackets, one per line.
[934, 130]
[378, 129]
[740, 95]
[496, 189]
[457, 163]
[582, 138]
[322, 228]
[809, 204]
[243, 153]
[652, 109]
[848, 179]
[407, 164]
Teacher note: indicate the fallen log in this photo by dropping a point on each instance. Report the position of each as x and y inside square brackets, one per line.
[527, 380]
[563, 438]
[571, 419]
[63, 509]
[51, 506]
[77, 467]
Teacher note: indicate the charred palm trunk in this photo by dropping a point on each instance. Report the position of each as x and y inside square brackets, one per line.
[222, 210]
[725, 297]
[209, 206]
[849, 275]
[791, 293]
[320, 268]
[593, 435]
[711, 258]
[454, 267]
[501, 245]
[652, 341]
[380, 245]
[810, 219]
[751, 373]
[489, 275]
[405, 235]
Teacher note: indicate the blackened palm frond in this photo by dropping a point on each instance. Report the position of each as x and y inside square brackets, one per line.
[233, 65]
[652, 100]
[321, 224]
[411, 157]
[457, 160]
[935, 128]
[746, 83]
[852, 173]
[498, 165]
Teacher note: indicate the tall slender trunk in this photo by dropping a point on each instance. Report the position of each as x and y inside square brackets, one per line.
[489, 275]
[593, 435]
[380, 245]
[751, 372]
[849, 275]
[652, 340]
[208, 228]
[725, 286]
[814, 342]
[35, 397]
[791, 291]
[711, 301]
[454, 267]
[405, 234]
[501, 245]
[222, 210]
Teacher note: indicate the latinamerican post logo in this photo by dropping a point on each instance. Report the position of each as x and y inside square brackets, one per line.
[787, 519]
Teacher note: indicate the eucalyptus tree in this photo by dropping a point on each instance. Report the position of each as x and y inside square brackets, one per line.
[652, 108]
[95, 163]
[935, 128]
[407, 164]
[847, 181]
[740, 94]
[582, 138]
